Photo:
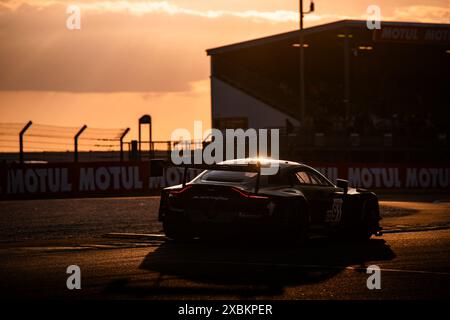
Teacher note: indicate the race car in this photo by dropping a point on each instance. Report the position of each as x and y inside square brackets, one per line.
[233, 198]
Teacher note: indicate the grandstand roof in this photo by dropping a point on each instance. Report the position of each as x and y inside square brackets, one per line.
[318, 29]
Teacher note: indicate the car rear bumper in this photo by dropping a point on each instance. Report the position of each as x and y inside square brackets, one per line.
[231, 223]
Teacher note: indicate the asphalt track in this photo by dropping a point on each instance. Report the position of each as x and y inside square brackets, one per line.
[414, 264]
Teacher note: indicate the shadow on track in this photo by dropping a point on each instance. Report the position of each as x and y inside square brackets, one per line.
[247, 269]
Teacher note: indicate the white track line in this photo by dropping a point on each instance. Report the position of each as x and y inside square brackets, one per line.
[306, 266]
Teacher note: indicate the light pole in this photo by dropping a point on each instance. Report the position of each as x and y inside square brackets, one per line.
[302, 60]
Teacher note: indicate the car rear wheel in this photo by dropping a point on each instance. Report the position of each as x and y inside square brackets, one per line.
[176, 227]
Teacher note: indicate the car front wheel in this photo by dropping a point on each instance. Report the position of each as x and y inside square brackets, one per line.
[364, 230]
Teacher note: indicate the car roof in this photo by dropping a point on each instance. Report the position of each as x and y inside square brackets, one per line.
[283, 164]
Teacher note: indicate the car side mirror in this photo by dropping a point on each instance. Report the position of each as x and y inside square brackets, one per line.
[343, 184]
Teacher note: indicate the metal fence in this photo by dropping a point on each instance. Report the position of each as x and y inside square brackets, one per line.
[21, 138]
[31, 142]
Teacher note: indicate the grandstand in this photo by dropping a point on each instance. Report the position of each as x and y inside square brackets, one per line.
[381, 95]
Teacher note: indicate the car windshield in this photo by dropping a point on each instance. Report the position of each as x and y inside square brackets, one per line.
[228, 176]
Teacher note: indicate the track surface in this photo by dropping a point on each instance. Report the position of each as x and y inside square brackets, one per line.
[414, 265]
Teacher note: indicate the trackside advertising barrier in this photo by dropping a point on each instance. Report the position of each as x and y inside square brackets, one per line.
[96, 179]
[61, 180]
[389, 176]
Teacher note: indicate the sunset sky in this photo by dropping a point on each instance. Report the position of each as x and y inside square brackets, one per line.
[137, 57]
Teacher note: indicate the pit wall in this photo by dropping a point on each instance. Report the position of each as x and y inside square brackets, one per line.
[102, 179]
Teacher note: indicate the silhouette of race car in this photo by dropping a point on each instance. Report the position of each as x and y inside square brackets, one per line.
[234, 198]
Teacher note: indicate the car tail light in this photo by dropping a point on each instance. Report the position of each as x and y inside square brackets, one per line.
[249, 195]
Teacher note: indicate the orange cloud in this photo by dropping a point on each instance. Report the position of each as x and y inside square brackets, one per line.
[113, 51]
[423, 13]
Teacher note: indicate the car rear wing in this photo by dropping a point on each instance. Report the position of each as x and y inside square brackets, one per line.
[248, 167]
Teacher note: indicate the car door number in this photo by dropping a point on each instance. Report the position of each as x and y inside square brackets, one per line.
[334, 215]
